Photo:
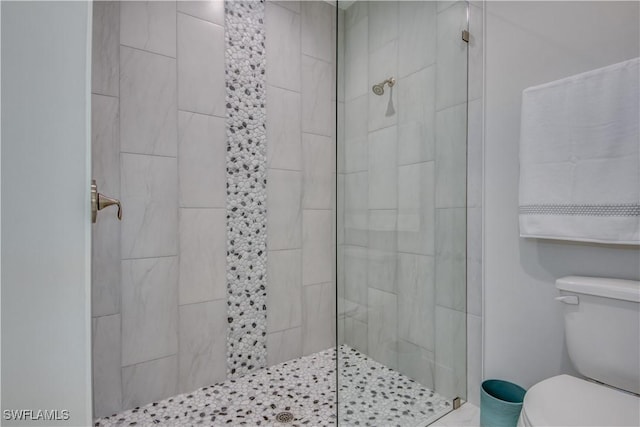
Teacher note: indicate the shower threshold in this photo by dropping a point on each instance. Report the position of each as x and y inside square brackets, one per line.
[370, 395]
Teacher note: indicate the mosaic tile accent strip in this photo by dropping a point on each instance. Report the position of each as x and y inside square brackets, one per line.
[246, 187]
[370, 394]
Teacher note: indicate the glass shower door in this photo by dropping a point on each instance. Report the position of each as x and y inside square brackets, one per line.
[402, 113]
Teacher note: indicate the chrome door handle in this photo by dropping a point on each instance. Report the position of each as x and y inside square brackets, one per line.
[99, 202]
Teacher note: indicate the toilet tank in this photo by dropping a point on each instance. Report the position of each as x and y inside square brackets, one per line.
[602, 328]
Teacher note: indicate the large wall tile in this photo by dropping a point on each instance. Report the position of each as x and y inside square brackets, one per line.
[105, 60]
[474, 154]
[319, 171]
[451, 337]
[382, 327]
[203, 344]
[340, 129]
[356, 276]
[416, 363]
[293, 5]
[416, 211]
[451, 157]
[354, 13]
[149, 25]
[318, 318]
[451, 88]
[317, 246]
[339, 36]
[417, 36]
[383, 174]
[474, 261]
[284, 216]
[202, 160]
[201, 78]
[383, 23]
[149, 196]
[105, 145]
[149, 381]
[317, 29]
[340, 275]
[282, 40]
[416, 299]
[203, 255]
[148, 123]
[318, 107]
[356, 56]
[284, 345]
[284, 148]
[451, 258]
[416, 121]
[355, 134]
[284, 291]
[381, 268]
[340, 209]
[210, 10]
[383, 65]
[105, 263]
[107, 385]
[356, 207]
[356, 71]
[355, 334]
[444, 4]
[149, 309]
[383, 225]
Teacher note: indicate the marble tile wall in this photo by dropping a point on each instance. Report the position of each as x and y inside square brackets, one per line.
[106, 233]
[300, 48]
[410, 258]
[159, 144]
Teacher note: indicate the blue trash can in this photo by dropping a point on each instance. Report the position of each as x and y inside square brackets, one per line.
[500, 403]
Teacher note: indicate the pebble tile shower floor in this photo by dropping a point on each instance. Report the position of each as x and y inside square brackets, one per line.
[370, 395]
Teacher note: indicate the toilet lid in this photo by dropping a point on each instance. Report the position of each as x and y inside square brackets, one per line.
[568, 401]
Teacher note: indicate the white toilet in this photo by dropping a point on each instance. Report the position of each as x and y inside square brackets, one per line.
[602, 328]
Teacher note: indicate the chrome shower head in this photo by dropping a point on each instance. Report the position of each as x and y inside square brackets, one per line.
[378, 89]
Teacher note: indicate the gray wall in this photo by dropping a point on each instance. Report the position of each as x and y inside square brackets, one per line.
[159, 277]
[529, 43]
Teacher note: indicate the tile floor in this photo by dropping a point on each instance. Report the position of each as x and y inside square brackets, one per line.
[370, 395]
[468, 415]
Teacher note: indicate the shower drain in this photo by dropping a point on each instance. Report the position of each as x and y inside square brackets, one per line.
[284, 417]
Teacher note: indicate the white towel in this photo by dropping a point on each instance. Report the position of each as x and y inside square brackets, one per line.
[580, 157]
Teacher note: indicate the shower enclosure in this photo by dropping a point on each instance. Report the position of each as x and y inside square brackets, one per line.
[402, 112]
[293, 185]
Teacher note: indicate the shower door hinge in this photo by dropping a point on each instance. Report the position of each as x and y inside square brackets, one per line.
[465, 35]
[456, 403]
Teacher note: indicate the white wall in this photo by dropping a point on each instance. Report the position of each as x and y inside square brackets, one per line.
[529, 43]
[45, 210]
